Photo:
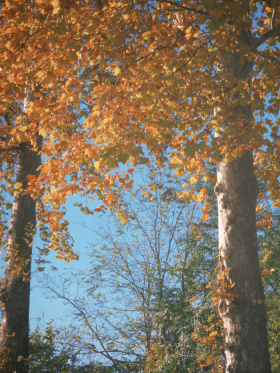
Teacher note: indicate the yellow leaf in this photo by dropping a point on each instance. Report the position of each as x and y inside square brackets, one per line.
[41, 74]
[186, 195]
[194, 335]
[205, 216]
[196, 297]
[48, 150]
[117, 70]
[42, 132]
[209, 359]
[210, 177]
[259, 208]
[56, 6]
[200, 196]
[276, 204]
[193, 180]
[97, 165]
[18, 185]
[123, 220]
[212, 334]
[96, 113]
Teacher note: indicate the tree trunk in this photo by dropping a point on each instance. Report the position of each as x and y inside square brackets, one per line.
[242, 307]
[241, 303]
[16, 285]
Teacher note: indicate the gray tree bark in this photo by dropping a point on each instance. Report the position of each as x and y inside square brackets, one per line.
[241, 305]
[16, 284]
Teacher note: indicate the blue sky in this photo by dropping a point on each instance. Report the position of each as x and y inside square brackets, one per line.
[43, 309]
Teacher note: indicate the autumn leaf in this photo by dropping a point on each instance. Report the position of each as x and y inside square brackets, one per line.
[18, 185]
[205, 216]
[117, 70]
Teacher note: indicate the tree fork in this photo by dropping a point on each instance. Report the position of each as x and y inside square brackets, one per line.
[16, 285]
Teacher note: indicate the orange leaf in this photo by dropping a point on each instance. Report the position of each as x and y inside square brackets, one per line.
[205, 216]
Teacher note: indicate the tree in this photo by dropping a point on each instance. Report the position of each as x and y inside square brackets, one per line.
[16, 287]
[146, 302]
[268, 239]
[122, 303]
[175, 62]
[50, 354]
[22, 133]
[44, 356]
[163, 75]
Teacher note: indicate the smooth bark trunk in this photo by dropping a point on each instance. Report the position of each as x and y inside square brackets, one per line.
[16, 285]
[241, 305]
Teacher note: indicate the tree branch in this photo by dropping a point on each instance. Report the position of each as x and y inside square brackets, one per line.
[193, 55]
[182, 7]
[22, 45]
[7, 119]
[272, 24]
[272, 33]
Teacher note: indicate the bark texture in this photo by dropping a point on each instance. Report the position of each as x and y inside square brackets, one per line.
[16, 285]
[241, 306]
